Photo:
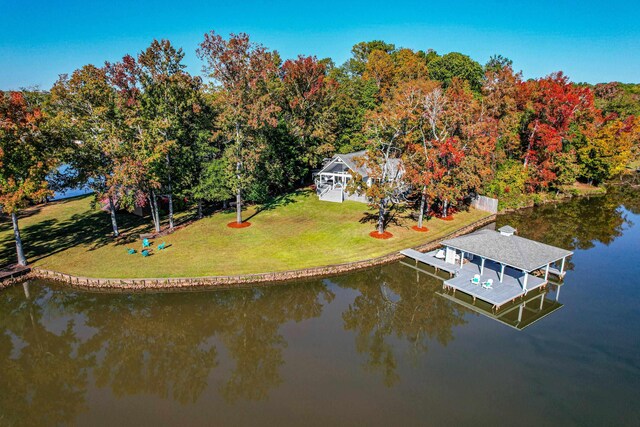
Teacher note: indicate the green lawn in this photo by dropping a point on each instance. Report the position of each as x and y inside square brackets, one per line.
[294, 232]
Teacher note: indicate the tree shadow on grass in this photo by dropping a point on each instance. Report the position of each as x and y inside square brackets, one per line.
[5, 220]
[280, 201]
[392, 218]
[52, 236]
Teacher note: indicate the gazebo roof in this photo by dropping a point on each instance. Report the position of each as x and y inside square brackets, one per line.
[349, 160]
[514, 251]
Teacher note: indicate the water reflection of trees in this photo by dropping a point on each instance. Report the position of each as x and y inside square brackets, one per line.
[158, 344]
[251, 333]
[43, 377]
[396, 303]
[579, 223]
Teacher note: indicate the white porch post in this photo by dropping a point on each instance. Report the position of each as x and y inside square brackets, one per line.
[546, 273]
[541, 301]
[562, 266]
[482, 267]
[524, 284]
[501, 272]
[461, 258]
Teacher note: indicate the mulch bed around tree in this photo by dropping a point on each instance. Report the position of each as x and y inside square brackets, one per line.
[420, 229]
[447, 218]
[384, 236]
[234, 224]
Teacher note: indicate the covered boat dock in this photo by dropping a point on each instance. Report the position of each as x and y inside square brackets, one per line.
[495, 266]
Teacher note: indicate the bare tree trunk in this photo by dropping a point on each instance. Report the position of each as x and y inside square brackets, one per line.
[170, 209]
[238, 171]
[421, 214]
[225, 205]
[155, 207]
[444, 208]
[381, 217]
[170, 192]
[530, 145]
[199, 208]
[154, 211]
[239, 206]
[16, 233]
[112, 212]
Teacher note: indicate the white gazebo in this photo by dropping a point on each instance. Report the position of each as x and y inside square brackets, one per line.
[332, 180]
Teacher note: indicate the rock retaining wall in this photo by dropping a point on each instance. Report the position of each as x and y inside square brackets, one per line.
[239, 280]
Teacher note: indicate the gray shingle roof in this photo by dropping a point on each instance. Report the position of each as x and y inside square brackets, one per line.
[350, 160]
[514, 251]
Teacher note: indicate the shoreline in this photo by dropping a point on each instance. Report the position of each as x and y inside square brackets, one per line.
[254, 279]
[221, 282]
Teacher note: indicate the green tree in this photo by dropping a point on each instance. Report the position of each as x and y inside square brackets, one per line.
[85, 105]
[360, 55]
[169, 106]
[496, 63]
[455, 64]
[244, 73]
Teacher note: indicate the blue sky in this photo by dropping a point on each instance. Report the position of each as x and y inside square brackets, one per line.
[588, 40]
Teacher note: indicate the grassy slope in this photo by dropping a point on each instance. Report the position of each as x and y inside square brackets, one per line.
[296, 232]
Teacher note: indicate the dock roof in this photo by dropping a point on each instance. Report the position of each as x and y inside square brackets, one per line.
[514, 251]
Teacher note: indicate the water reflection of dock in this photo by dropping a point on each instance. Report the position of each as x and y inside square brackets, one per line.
[518, 315]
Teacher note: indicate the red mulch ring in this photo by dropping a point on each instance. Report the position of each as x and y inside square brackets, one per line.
[420, 229]
[447, 218]
[384, 236]
[241, 225]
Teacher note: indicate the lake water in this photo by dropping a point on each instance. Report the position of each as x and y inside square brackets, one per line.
[376, 347]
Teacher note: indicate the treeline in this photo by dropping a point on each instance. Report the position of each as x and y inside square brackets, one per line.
[255, 126]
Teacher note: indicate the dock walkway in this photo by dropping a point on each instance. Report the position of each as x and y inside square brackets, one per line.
[429, 259]
[11, 272]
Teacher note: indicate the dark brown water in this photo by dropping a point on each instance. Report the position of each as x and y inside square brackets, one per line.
[378, 347]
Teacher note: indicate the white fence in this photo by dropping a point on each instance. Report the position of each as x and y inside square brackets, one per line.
[485, 203]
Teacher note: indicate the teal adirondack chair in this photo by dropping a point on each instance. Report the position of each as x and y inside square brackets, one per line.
[488, 284]
[146, 243]
[145, 253]
[162, 245]
[476, 279]
[131, 251]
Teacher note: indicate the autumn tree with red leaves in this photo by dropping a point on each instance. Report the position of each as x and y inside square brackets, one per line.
[552, 104]
[27, 155]
[308, 95]
[422, 168]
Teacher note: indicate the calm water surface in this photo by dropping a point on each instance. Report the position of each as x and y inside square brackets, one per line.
[378, 347]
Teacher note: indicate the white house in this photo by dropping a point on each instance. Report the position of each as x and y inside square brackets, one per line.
[332, 180]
